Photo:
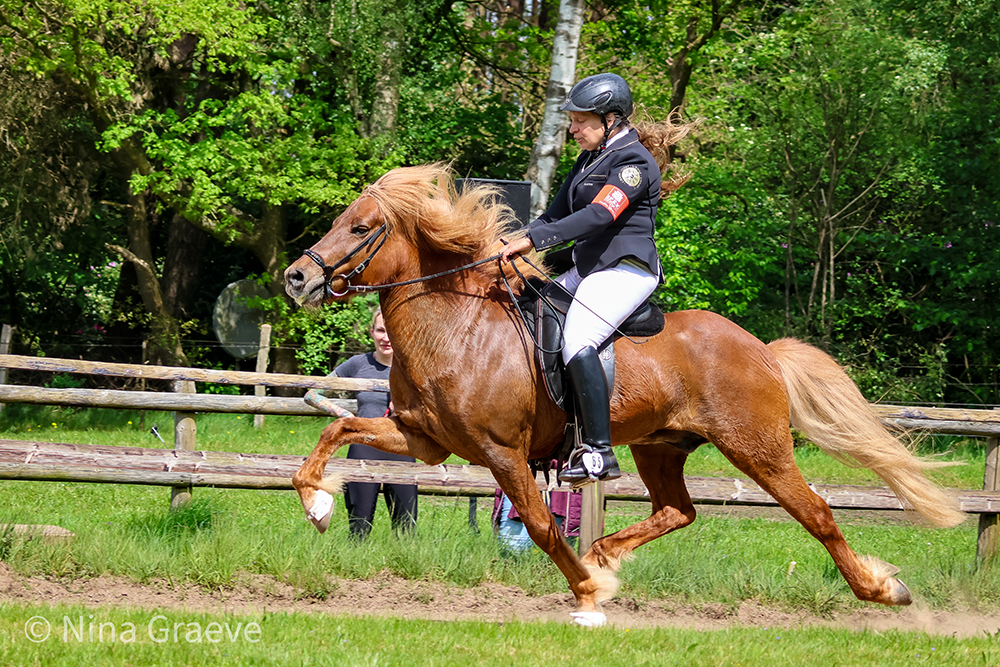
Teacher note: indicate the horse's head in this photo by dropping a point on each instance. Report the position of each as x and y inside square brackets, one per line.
[326, 271]
[409, 221]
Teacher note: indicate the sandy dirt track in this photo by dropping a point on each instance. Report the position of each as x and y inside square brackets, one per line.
[387, 595]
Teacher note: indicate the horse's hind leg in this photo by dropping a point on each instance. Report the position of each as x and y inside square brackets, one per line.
[661, 467]
[870, 579]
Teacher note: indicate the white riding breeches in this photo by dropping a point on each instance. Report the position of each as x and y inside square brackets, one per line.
[602, 301]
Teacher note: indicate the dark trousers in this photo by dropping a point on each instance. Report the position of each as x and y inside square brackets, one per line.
[361, 497]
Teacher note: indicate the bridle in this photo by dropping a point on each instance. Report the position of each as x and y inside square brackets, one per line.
[381, 234]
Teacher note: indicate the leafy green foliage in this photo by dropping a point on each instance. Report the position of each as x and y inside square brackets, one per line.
[722, 243]
[481, 139]
[836, 115]
[71, 278]
[77, 40]
[844, 183]
[328, 335]
[222, 152]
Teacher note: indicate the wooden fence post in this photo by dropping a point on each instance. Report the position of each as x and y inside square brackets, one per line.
[591, 516]
[262, 354]
[142, 387]
[989, 524]
[185, 437]
[473, 509]
[5, 336]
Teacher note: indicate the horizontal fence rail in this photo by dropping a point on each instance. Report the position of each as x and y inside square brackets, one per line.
[140, 372]
[945, 421]
[25, 460]
[151, 400]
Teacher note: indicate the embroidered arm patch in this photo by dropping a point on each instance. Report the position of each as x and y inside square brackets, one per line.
[612, 199]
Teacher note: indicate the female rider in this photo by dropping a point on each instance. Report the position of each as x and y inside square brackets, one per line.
[607, 206]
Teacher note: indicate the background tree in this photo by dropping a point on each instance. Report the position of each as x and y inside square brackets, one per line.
[841, 146]
[102, 57]
[552, 133]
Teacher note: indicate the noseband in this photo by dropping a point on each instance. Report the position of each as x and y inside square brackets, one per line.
[381, 234]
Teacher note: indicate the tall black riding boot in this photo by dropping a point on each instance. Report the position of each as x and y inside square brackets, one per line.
[592, 459]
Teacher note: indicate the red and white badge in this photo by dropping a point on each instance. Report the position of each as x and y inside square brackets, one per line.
[612, 199]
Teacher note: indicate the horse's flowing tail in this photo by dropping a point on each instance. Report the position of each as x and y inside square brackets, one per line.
[830, 410]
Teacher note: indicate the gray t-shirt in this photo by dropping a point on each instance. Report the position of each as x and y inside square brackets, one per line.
[371, 404]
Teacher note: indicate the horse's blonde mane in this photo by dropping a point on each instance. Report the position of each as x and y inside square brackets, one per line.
[423, 204]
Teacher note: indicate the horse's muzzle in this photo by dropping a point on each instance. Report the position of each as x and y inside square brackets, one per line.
[300, 285]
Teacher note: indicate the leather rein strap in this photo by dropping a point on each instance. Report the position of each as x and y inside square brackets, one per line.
[381, 234]
[378, 240]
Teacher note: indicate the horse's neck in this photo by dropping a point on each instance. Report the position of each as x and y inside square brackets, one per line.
[442, 327]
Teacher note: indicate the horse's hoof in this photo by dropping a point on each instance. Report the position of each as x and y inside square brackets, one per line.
[901, 596]
[321, 510]
[589, 619]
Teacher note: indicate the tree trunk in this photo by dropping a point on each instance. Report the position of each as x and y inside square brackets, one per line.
[269, 247]
[680, 64]
[552, 135]
[385, 105]
[165, 340]
[182, 266]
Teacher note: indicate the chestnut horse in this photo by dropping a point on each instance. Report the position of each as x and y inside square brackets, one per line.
[464, 381]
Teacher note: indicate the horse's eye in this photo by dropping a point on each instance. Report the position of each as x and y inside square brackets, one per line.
[360, 230]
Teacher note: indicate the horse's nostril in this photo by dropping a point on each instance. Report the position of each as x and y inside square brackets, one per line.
[295, 277]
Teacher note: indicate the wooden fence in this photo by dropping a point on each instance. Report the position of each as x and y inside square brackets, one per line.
[185, 467]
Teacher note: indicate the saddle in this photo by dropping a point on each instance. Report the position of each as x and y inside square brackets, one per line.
[545, 315]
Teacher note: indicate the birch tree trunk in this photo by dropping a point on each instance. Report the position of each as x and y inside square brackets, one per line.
[552, 136]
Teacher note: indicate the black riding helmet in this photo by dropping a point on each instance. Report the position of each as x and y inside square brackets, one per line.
[601, 94]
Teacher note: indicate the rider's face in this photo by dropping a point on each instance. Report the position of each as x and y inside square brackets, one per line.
[587, 129]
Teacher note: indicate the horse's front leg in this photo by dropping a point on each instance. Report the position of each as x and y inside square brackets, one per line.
[590, 584]
[387, 434]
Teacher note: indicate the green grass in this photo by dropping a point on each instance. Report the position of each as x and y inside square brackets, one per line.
[129, 531]
[215, 432]
[79, 636]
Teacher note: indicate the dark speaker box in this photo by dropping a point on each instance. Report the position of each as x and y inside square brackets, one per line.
[515, 194]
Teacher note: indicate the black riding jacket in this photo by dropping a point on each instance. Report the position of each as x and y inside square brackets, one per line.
[608, 206]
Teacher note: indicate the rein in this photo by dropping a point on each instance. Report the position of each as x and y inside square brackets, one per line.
[421, 279]
[517, 304]
[328, 271]
[548, 302]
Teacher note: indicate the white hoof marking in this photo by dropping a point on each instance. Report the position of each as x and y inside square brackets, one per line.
[589, 619]
[321, 505]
